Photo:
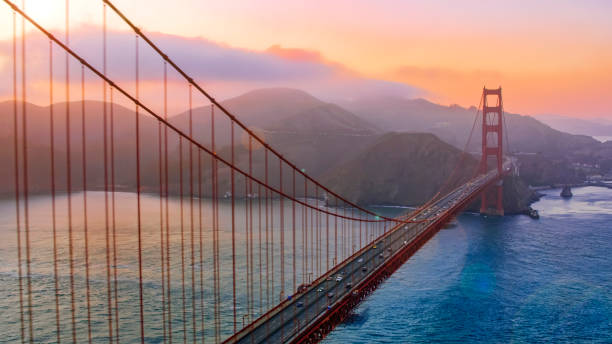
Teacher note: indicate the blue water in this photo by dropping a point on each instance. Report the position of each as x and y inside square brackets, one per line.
[501, 280]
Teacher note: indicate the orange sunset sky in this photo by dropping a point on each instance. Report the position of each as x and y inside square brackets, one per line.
[551, 57]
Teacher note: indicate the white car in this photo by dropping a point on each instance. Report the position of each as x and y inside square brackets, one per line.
[338, 278]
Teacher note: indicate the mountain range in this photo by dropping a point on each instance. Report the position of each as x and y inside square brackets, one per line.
[384, 150]
[590, 127]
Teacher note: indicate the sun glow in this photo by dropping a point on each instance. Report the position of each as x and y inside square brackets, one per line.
[50, 13]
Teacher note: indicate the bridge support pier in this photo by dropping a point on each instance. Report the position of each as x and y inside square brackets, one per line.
[492, 146]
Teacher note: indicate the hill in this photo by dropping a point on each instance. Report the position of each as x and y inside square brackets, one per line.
[39, 144]
[276, 110]
[400, 169]
[331, 143]
[590, 127]
[453, 124]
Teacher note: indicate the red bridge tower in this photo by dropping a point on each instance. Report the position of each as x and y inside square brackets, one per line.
[492, 134]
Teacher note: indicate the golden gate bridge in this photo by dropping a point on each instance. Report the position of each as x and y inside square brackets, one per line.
[228, 240]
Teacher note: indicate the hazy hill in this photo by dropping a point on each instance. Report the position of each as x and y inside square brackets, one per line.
[399, 168]
[39, 144]
[267, 106]
[274, 110]
[577, 125]
[453, 124]
[324, 119]
[306, 130]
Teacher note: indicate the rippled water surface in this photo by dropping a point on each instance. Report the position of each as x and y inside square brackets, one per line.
[502, 280]
[190, 263]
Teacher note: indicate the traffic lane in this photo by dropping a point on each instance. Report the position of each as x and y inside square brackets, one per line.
[340, 289]
[313, 302]
[314, 308]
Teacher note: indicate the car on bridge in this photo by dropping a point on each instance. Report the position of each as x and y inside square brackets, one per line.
[302, 287]
[339, 278]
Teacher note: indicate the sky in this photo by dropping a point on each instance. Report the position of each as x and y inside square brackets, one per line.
[550, 57]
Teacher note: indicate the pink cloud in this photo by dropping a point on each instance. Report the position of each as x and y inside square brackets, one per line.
[224, 70]
[296, 54]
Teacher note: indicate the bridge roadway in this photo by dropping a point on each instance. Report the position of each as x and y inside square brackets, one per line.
[289, 320]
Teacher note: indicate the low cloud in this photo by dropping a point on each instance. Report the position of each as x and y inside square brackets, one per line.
[214, 65]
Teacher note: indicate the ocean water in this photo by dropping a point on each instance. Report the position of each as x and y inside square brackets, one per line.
[501, 280]
[193, 308]
[488, 280]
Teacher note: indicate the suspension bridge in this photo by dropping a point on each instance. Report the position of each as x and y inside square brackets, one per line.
[148, 230]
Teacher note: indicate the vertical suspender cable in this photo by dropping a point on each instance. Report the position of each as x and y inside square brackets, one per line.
[114, 222]
[306, 231]
[250, 225]
[140, 292]
[293, 286]
[267, 230]
[318, 236]
[184, 318]
[233, 190]
[259, 246]
[161, 221]
[85, 228]
[215, 219]
[161, 228]
[272, 240]
[168, 272]
[250, 199]
[304, 239]
[191, 224]
[282, 231]
[106, 226]
[326, 241]
[246, 247]
[360, 221]
[352, 230]
[312, 243]
[336, 233]
[25, 179]
[282, 242]
[293, 232]
[113, 208]
[201, 243]
[69, 181]
[16, 171]
[53, 206]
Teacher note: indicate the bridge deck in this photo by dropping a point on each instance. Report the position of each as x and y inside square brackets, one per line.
[296, 318]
